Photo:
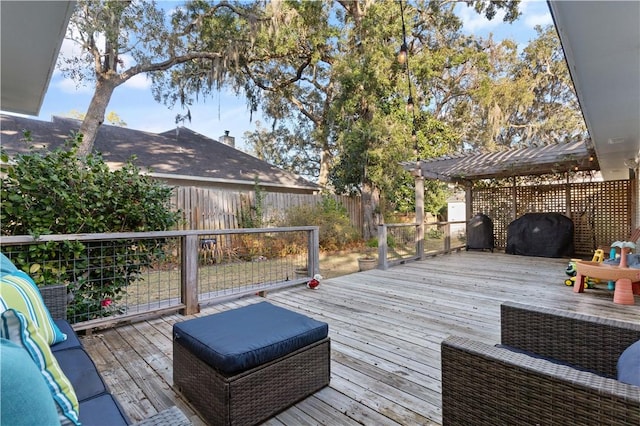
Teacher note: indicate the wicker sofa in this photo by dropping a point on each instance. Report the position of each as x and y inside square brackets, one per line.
[552, 367]
[97, 405]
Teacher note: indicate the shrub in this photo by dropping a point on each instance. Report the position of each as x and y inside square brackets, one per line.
[57, 193]
[336, 231]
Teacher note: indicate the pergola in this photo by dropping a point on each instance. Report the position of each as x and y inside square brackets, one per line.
[579, 201]
[465, 169]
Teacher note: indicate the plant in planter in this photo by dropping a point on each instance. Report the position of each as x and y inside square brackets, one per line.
[369, 260]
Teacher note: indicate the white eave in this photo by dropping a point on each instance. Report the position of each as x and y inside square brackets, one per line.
[601, 41]
[31, 33]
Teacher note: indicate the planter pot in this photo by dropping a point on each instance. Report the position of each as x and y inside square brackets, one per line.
[366, 264]
[301, 272]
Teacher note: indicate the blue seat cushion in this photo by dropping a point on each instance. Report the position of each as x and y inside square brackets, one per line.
[102, 410]
[82, 372]
[629, 365]
[237, 340]
[552, 360]
[72, 338]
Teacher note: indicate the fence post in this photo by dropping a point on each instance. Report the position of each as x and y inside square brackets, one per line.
[383, 263]
[189, 275]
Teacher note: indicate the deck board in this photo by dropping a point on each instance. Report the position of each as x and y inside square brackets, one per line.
[385, 326]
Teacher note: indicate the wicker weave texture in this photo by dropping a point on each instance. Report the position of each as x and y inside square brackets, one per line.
[255, 395]
[587, 342]
[55, 297]
[488, 385]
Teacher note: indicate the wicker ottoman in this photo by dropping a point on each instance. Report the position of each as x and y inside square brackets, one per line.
[243, 366]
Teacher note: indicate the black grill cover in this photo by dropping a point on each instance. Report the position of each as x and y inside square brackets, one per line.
[480, 232]
[540, 234]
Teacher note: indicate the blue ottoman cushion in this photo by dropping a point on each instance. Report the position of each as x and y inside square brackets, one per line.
[240, 339]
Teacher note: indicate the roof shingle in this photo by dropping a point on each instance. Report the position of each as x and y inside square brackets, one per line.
[180, 152]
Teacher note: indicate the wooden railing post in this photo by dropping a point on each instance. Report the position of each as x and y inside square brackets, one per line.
[313, 251]
[419, 184]
[447, 237]
[383, 262]
[189, 276]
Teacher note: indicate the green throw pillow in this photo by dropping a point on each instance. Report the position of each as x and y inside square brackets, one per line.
[19, 329]
[18, 291]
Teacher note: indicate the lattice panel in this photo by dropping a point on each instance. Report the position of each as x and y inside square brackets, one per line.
[601, 211]
[497, 204]
[541, 199]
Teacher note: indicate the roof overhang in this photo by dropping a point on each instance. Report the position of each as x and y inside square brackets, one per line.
[31, 35]
[601, 42]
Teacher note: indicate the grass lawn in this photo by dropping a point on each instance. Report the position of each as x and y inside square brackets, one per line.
[163, 284]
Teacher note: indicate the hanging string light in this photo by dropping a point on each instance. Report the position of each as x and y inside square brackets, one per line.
[402, 53]
[403, 59]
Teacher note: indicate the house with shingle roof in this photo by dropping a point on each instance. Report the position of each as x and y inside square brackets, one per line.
[179, 157]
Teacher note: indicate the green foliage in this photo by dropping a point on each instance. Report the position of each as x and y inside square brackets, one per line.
[336, 231]
[251, 215]
[435, 233]
[56, 193]
[490, 8]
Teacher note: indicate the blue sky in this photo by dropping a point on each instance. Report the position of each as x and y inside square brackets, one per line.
[135, 105]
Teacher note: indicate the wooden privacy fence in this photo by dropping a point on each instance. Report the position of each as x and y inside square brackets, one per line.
[214, 208]
[601, 211]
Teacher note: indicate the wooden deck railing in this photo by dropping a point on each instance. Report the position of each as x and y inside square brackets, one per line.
[186, 270]
[400, 243]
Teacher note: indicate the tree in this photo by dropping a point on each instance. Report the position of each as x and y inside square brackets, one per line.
[122, 39]
[553, 113]
[323, 71]
[286, 72]
[497, 97]
[286, 148]
[111, 117]
[358, 96]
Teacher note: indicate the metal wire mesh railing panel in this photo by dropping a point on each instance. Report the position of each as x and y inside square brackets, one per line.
[442, 237]
[240, 263]
[113, 277]
[105, 278]
[401, 242]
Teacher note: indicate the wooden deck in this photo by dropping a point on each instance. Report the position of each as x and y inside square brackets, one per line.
[385, 329]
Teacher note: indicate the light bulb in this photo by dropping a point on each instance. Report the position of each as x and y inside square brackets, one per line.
[402, 54]
[410, 104]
